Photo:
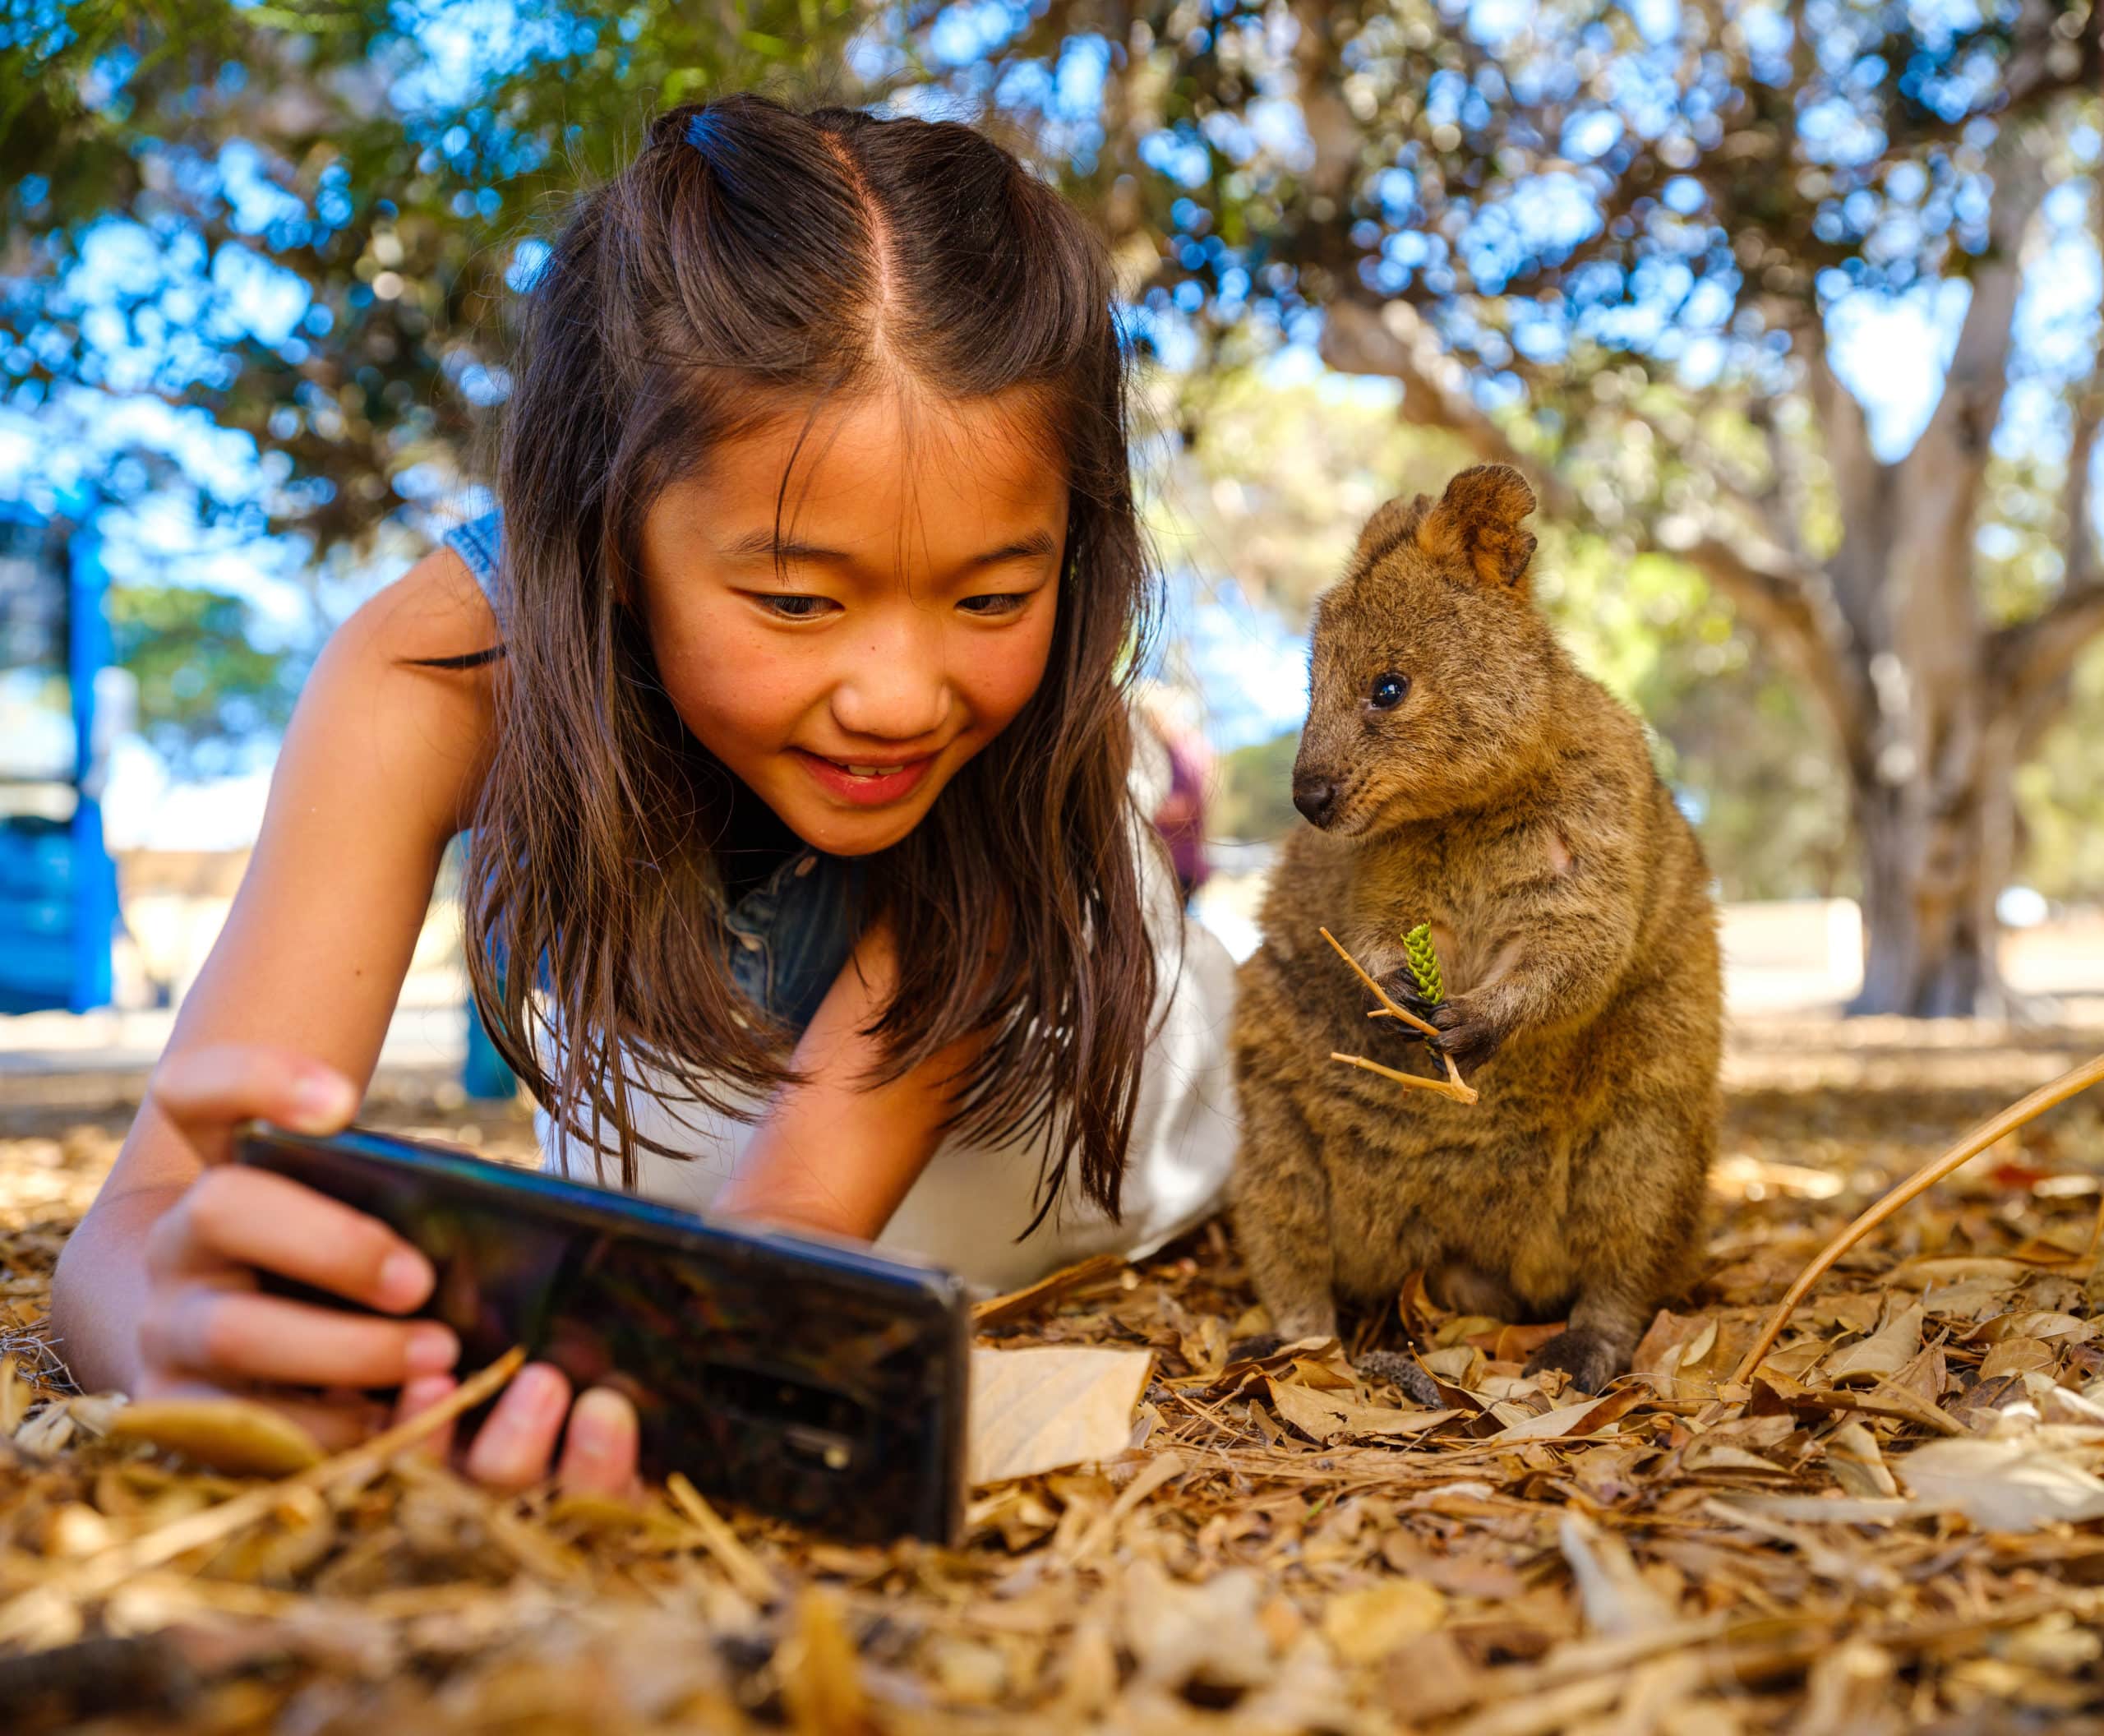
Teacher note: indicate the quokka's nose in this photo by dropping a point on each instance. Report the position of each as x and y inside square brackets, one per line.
[1316, 797]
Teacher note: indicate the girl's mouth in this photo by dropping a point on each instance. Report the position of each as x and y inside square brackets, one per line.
[865, 785]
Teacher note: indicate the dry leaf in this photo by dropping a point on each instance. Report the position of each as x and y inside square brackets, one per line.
[234, 1435]
[2011, 1484]
[1612, 1591]
[1210, 1634]
[1858, 1466]
[2019, 1356]
[1882, 1354]
[1588, 1416]
[1328, 1416]
[821, 1682]
[1366, 1625]
[1041, 1409]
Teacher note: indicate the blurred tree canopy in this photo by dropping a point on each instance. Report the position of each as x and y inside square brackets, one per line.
[288, 216]
[1617, 243]
[200, 673]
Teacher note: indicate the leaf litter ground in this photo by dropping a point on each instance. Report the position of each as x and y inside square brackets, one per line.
[1898, 1524]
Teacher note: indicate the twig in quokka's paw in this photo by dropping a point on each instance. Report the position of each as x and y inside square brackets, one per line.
[1461, 777]
[1452, 1086]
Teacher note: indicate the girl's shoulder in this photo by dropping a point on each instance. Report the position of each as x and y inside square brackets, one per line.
[442, 609]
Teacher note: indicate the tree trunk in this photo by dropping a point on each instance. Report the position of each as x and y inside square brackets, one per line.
[1935, 854]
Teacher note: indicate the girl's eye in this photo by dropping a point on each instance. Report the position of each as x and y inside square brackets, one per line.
[796, 608]
[994, 603]
[1389, 691]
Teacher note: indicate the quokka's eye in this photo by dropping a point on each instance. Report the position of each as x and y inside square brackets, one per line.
[1389, 691]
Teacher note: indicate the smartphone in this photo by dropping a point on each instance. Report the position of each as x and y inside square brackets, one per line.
[814, 1380]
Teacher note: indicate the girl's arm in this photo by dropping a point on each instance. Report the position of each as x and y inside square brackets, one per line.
[378, 772]
[836, 1153]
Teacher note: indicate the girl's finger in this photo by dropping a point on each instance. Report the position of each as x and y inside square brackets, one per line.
[515, 1447]
[250, 1336]
[204, 1092]
[599, 1449]
[250, 1218]
[419, 1395]
[335, 1425]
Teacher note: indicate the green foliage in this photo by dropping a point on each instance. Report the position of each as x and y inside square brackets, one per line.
[1424, 964]
[201, 675]
[1252, 795]
[318, 147]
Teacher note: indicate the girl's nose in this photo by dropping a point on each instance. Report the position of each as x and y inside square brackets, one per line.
[896, 686]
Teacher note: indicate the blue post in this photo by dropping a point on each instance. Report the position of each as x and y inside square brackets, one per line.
[89, 651]
[486, 1074]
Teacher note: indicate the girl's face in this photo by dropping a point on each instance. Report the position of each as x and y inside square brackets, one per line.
[846, 670]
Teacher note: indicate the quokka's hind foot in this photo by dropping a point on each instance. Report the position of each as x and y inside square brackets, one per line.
[1584, 1353]
[1404, 1371]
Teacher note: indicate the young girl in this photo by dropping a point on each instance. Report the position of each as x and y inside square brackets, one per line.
[785, 704]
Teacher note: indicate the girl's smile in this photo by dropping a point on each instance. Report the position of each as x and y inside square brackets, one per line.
[845, 608]
[867, 785]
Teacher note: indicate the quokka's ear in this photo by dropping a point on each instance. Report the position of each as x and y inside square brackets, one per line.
[1479, 518]
[1393, 522]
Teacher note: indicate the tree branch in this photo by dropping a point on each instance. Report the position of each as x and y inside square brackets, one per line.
[1390, 339]
[2036, 654]
[1779, 599]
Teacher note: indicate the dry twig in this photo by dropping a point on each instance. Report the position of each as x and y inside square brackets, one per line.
[1453, 1086]
[2057, 1091]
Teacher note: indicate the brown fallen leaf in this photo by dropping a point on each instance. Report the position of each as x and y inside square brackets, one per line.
[1858, 1466]
[1328, 1416]
[996, 1311]
[1365, 1626]
[2019, 1356]
[2038, 1323]
[1884, 1354]
[2013, 1483]
[821, 1680]
[1040, 1410]
[1566, 1422]
[234, 1435]
[1611, 1590]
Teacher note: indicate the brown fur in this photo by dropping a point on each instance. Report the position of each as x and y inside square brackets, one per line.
[1510, 801]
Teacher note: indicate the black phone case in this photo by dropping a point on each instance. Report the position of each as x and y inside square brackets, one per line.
[817, 1382]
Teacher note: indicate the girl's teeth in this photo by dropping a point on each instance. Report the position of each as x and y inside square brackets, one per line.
[866, 771]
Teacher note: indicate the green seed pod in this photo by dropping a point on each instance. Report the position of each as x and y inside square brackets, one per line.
[1424, 964]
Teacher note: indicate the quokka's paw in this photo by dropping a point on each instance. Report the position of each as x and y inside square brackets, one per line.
[1582, 1353]
[1463, 1033]
[1400, 986]
[1406, 1372]
[1255, 1347]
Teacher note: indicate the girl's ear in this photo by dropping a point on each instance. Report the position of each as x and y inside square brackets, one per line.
[1391, 524]
[1479, 518]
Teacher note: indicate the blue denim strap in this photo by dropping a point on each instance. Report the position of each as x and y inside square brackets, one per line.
[479, 542]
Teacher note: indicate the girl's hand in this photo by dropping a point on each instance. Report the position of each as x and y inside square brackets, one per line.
[207, 1325]
[516, 1445]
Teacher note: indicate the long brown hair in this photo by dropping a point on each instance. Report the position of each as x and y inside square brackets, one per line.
[749, 257]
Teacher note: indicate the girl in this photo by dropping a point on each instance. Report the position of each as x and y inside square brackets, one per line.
[785, 702]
